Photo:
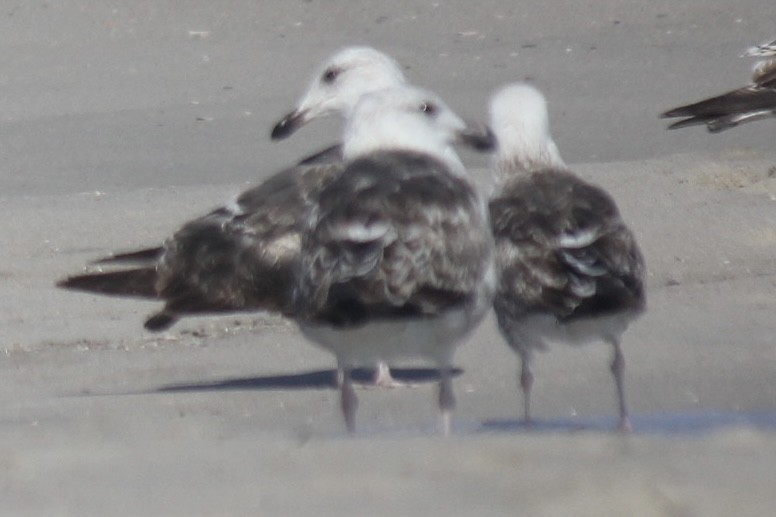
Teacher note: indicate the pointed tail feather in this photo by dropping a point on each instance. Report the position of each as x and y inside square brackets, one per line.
[741, 101]
[713, 107]
[721, 123]
[138, 283]
[687, 122]
[133, 257]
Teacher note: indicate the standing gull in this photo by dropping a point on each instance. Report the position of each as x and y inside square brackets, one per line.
[569, 270]
[396, 253]
[755, 101]
[336, 87]
[242, 257]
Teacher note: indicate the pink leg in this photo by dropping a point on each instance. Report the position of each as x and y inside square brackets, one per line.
[446, 399]
[618, 370]
[526, 383]
[348, 400]
[383, 378]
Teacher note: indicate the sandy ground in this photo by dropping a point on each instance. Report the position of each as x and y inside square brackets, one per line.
[120, 121]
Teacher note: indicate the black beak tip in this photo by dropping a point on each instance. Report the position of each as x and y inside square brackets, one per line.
[282, 129]
[481, 140]
[287, 126]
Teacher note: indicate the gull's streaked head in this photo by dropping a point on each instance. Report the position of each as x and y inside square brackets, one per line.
[519, 119]
[339, 84]
[410, 119]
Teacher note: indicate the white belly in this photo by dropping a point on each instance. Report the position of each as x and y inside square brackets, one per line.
[540, 330]
[429, 339]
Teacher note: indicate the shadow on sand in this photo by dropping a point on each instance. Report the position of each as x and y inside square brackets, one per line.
[688, 423]
[313, 380]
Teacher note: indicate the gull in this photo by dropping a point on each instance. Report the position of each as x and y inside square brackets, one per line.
[569, 269]
[335, 88]
[755, 101]
[242, 256]
[396, 258]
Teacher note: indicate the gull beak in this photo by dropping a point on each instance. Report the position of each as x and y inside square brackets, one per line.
[289, 124]
[478, 137]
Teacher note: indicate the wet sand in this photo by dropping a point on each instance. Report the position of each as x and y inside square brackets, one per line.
[119, 124]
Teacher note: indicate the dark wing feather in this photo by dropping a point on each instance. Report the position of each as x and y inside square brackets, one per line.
[137, 283]
[749, 98]
[331, 154]
[390, 238]
[562, 248]
[752, 102]
[243, 257]
[144, 256]
[236, 258]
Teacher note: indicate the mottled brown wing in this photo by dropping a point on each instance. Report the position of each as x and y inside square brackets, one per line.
[243, 256]
[391, 237]
[561, 247]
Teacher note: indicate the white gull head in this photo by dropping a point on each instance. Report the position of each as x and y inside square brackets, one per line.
[338, 85]
[519, 120]
[410, 119]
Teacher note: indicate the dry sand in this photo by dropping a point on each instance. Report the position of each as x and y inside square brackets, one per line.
[120, 121]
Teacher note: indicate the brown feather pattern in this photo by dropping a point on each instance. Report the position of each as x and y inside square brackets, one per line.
[397, 251]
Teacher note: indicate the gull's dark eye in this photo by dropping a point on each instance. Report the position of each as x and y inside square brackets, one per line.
[330, 75]
[428, 108]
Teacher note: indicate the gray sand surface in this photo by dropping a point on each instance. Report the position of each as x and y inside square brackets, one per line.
[119, 121]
